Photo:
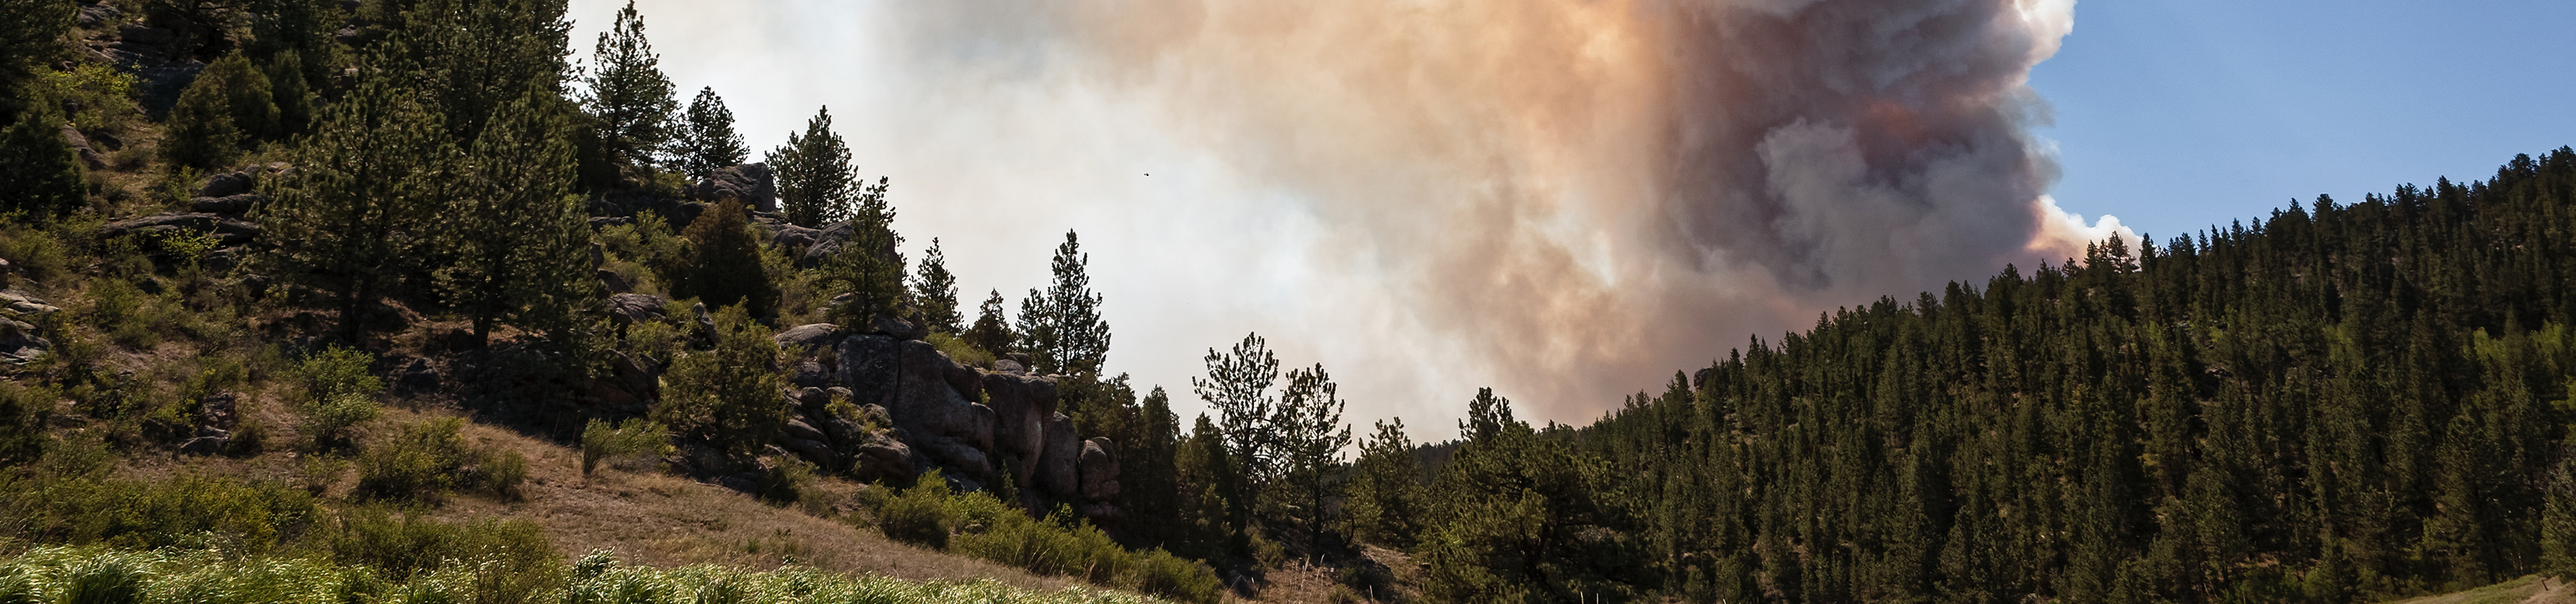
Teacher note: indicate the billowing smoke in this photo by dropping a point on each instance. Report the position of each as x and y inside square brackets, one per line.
[1566, 199]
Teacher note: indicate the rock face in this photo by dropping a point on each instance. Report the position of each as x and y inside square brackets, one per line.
[1099, 469]
[19, 342]
[755, 184]
[1058, 465]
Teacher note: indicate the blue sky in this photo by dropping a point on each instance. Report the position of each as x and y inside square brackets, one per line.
[2176, 114]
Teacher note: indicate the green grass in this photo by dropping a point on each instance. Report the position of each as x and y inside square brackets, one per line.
[97, 574]
[976, 524]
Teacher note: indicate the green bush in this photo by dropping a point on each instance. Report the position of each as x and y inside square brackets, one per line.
[406, 546]
[423, 460]
[204, 577]
[920, 515]
[631, 439]
[728, 396]
[187, 510]
[790, 481]
[978, 525]
[339, 393]
[960, 351]
[100, 97]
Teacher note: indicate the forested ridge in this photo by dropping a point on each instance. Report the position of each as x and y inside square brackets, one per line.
[2344, 401]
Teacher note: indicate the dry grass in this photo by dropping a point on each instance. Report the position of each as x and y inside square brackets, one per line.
[668, 521]
[2525, 590]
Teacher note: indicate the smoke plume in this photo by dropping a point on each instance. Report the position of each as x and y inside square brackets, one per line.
[1565, 199]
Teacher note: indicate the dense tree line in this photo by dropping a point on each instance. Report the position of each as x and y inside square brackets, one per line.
[2340, 402]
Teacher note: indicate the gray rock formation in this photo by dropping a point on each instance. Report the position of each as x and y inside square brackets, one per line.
[234, 205]
[629, 309]
[225, 185]
[818, 336]
[1059, 465]
[755, 184]
[1099, 469]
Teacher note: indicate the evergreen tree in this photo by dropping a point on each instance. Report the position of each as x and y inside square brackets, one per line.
[44, 173]
[870, 263]
[1065, 333]
[32, 34]
[708, 141]
[295, 102]
[816, 185]
[247, 96]
[476, 56]
[200, 132]
[991, 331]
[1310, 437]
[376, 169]
[1386, 489]
[520, 242]
[1237, 386]
[725, 266]
[935, 291]
[629, 97]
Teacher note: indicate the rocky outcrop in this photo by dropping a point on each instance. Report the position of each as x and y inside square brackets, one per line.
[630, 309]
[755, 184]
[1059, 462]
[19, 342]
[225, 185]
[227, 230]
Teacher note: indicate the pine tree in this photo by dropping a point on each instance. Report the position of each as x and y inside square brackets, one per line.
[935, 291]
[45, 175]
[629, 96]
[295, 102]
[1237, 386]
[246, 94]
[475, 56]
[1068, 337]
[708, 141]
[32, 34]
[870, 263]
[816, 185]
[992, 332]
[1386, 489]
[376, 169]
[1310, 435]
[521, 238]
[200, 133]
[725, 262]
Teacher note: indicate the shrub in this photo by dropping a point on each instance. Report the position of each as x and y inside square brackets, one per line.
[338, 393]
[187, 510]
[407, 546]
[790, 480]
[633, 438]
[22, 421]
[728, 396]
[960, 351]
[99, 97]
[725, 262]
[424, 459]
[920, 515]
[46, 179]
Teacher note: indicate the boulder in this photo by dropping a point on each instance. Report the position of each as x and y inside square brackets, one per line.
[964, 458]
[94, 15]
[809, 373]
[1099, 469]
[629, 309]
[23, 305]
[868, 364]
[706, 326]
[215, 412]
[755, 184]
[89, 156]
[1009, 366]
[1058, 469]
[1021, 404]
[827, 241]
[236, 204]
[225, 185]
[19, 343]
[883, 458]
[820, 454]
[788, 236]
[898, 328]
[227, 230]
[816, 336]
[207, 442]
[797, 428]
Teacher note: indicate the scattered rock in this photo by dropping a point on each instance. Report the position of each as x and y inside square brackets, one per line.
[225, 185]
[817, 336]
[629, 309]
[22, 304]
[883, 458]
[89, 156]
[755, 184]
[230, 204]
[19, 343]
[227, 230]
[817, 452]
[798, 429]
[207, 444]
[1009, 366]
